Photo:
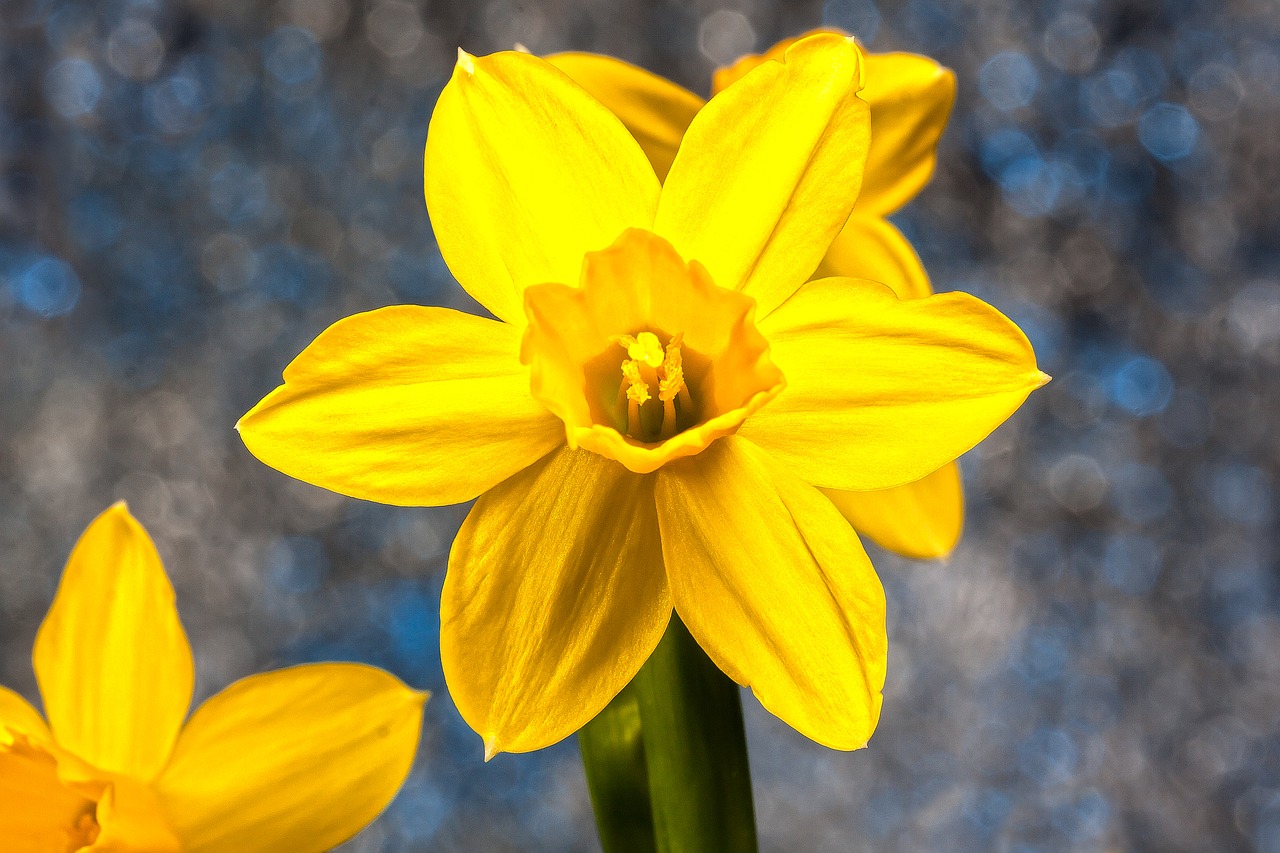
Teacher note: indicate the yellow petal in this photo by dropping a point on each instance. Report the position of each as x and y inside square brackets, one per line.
[526, 172]
[775, 586]
[39, 813]
[654, 109]
[921, 519]
[911, 98]
[769, 170]
[881, 392]
[299, 759]
[405, 405]
[112, 660]
[872, 248]
[554, 598]
[18, 716]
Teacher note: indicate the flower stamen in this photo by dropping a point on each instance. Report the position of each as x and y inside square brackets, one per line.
[637, 388]
[650, 362]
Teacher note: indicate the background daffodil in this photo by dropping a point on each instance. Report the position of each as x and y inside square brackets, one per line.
[910, 97]
[299, 759]
[655, 436]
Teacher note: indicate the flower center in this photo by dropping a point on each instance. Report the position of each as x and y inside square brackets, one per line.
[649, 365]
[646, 361]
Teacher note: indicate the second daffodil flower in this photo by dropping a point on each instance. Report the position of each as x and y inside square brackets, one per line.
[648, 421]
[298, 759]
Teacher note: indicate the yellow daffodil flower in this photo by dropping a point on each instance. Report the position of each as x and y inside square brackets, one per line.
[652, 437]
[299, 759]
[910, 98]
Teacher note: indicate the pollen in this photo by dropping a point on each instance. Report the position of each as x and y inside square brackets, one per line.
[672, 370]
[669, 386]
[637, 389]
[644, 347]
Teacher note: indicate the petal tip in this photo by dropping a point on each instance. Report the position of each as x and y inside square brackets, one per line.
[246, 421]
[1043, 379]
[490, 748]
[466, 62]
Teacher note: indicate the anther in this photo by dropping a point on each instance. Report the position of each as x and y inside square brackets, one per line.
[650, 362]
[644, 347]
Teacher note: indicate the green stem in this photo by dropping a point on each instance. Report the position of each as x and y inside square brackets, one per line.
[695, 750]
[613, 756]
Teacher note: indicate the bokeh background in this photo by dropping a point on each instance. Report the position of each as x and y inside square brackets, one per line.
[190, 190]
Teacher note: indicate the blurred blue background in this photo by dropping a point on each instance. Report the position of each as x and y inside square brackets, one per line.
[190, 190]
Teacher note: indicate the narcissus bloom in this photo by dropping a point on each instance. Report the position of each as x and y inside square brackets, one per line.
[910, 98]
[299, 759]
[648, 420]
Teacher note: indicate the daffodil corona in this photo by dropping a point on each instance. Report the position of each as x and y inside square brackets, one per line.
[299, 759]
[649, 420]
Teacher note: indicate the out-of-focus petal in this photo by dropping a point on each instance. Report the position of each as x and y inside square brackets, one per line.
[881, 392]
[723, 78]
[404, 405]
[911, 98]
[554, 598]
[922, 519]
[525, 173]
[769, 169]
[871, 248]
[774, 585]
[299, 759]
[111, 658]
[654, 109]
[18, 716]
